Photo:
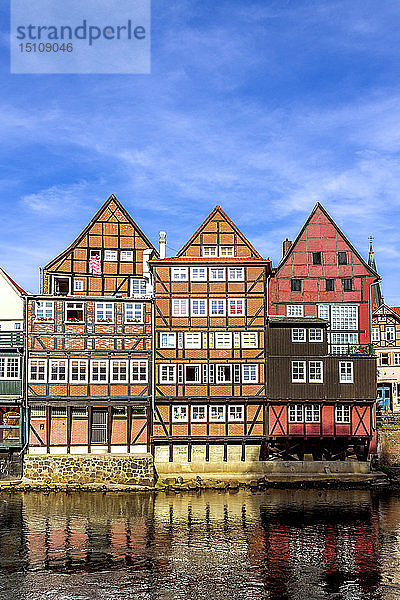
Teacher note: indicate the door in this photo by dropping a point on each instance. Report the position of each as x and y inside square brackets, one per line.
[99, 426]
[384, 399]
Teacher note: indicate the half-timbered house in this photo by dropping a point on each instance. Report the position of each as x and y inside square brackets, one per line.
[89, 341]
[386, 342]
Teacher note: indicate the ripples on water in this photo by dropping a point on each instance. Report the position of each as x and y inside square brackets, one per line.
[301, 545]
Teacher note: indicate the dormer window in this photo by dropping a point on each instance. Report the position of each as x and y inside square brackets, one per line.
[226, 251]
[209, 251]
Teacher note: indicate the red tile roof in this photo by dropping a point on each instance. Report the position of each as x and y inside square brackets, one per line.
[396, 309]
[209, 259]
[19, 288]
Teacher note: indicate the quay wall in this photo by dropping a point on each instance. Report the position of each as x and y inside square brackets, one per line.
[389, 446]
[10, 466]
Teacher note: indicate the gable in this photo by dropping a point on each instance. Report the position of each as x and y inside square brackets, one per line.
[218, 230]
[11, 301]
[385, 311]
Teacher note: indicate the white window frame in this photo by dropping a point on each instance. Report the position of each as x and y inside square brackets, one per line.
[193, 340]
[37, 360]
[199, 303]
[99, 381]
[234, 418]
[170, 371]
[252, 373]
[179, 274]
[313, 379]
[299, 334]
[169, 338]
[218, 368]
[376, 334]
[141, 284]
[182, 304]
[105, 308]
[215, 419]
[67, 305]
[198, 273]
[138, 363]
[343, 414]
[111, 255]
[226, 251]
[4, 366]
[295, 310]
[346, 375]
[312, 413]
[45, 306]
[390, 333]
[86, 370]
[118, 379]
[296, 413]
[221, 301]
[216, 270]
[249, 339]
[180, 413]
[54, 362]
[78, 285]
[317, 336]
[134, 311]
[396, 359]
[297, 379]
[209, 251]
[235, 301]
[203, 418]
[223, 340]
[126, 255]
[197, 368]
[236, 270]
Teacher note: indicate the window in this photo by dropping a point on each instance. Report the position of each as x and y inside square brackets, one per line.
[78, 412]
[104, 312]
[296, 413]
[9, 368]
[324, 312]
[59, 411]
[390, 333]
[235, 413]
[134, 312]
[199, 413]
[315, 371]
[347, 285]
[295, 285]
[58, 371]
[342, 341]
[226, 251]
[17, 325]
[180, 308]
[193, 340]
[342, 258]
[74, 312]
[38, 411]
[44, 311]
[236, 307]
[78, 285]
[217, 274]
[198, 274]
[37, 370]
[78, 371]
[312, 413]
[217, 307]
[346, 372]
[342, 413]
[329, 285]
[139, 370]
[209, 251]
[139, 288]
[126, 255]
[344, 316]
[298, 371]
[224, 374]
[315, 335]
[217, 413]
[179, 274]
[167, 373]
[223, 339]
[250, 373]
[110, 255]
[167, 340]
[235, 274]
[375, 334]
[396, 359]
[98, 371]
[61, 285]
[384, 359]
[192, 374]
[199, 308]
[180, 414]
[294, 310]
[298, 335]
[119, 371]
[249, 339]
[317, 258]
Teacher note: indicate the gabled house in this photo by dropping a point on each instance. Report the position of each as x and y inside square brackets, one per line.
[386, 342]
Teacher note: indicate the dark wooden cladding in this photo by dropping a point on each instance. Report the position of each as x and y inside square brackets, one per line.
[280, 341]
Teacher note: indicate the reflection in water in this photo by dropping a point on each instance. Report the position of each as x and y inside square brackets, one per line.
[279, 544]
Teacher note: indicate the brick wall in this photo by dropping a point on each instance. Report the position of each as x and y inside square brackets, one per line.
[389, 446]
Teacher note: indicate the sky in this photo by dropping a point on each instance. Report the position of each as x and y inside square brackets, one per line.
[264, 107]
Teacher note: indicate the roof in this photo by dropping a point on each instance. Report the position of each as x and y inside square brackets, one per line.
[276, 320]
[396, 309]
[114, 199]
[209, 260]
[13, 283]
[314, 210]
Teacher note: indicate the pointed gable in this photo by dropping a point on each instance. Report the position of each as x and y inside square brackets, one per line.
[11, 300]
[218, 230]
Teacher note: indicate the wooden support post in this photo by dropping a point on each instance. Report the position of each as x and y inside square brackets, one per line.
[189, 452]
[243, 457]
[48, 428]
[89, 449]
[69, 424]
[171, 453]
[109, 427]
[129, 428]
[207, 452]
[225, 452]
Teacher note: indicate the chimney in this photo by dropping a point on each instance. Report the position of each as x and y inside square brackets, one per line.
[286, 247]
[163, 243]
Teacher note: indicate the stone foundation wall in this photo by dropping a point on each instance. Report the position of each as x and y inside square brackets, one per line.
[389, 446]
[10, 467]
[135, 469]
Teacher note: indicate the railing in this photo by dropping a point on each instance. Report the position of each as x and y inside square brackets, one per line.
[353, 350]
[10, 339]
[11, 431]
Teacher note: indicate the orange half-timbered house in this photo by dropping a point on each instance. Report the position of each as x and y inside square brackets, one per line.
[89, 342]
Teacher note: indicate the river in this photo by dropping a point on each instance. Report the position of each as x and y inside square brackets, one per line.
[278, 544]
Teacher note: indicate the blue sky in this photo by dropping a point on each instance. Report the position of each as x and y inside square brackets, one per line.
[264, 107]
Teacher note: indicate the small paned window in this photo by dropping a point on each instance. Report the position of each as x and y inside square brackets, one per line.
[323, 312]
[198, 274]
[235, 273]
[250, 373]
[167, 340]
[179, 274]
[38, 412]
[396, 359]
[104, 312]
[180, 307]
[78, 371]
[224, 374]
[199, 308]
[44, 310]
[139, 371]
[295, 285]
[134, 312]
[346, 372]
[139, 288]
[126, 255]
[217, 413]
[342, 413]
[298, 371]
[167, 373]
[296, 413]
[315, 371]
[347, 285]
[294, 310]
[329, 285]
[119, 371]
[192, 373]
[180, 414]
[298, 335]
[375, 334]
[99, 371]
[74, 312]
[384, 359]
[209, 251]
[58, 371]
[37, 370]
[226, 251]
[217, 307]
[9, 368]
[317, 258]
[236, 413]
[111, 255]
[315, 335]
[236, 307]
[217, 274]
[78, 285]
[193, 340]
[17, 325]
[390, 333]
[223, 339]
[199, 413]
[342, 258]
[312, 413]
[249, 339]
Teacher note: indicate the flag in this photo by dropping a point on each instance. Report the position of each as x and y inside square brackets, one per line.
[95, 265]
